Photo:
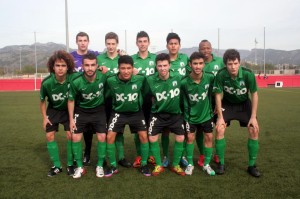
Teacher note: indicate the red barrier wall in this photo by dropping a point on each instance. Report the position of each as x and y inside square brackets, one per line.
[19, 84]
[287, 80]
[28, 84]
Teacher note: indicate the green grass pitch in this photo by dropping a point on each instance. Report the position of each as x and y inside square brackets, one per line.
[25, 161]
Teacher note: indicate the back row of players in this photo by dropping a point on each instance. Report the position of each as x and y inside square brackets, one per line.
[153, 94]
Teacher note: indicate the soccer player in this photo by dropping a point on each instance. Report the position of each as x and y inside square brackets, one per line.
[55, 88]
[196, 91]
[212, 65]
[179, 64]
[109, 61]
[82, 41]
[236, 83]
[125, 90]
[86, 107]
[144, 64]
[164, 88]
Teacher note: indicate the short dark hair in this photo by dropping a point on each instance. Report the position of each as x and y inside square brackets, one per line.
[142, 34]
[82, 34]
[90, 56]
[125, 59]
[61, 55]
[196, 55]
[162, 57]
[231, 54]
[173, 35]
[112, 35]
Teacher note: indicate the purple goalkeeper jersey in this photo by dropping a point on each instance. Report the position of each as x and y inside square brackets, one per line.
[78, 59]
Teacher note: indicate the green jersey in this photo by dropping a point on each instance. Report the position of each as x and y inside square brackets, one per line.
[181, 64]
[88, 94]
[214, 65]
[126, 96]
[111, 64]
[196, 98]
[145, 66]
[166, 93]
[235, 90]
[56, 92]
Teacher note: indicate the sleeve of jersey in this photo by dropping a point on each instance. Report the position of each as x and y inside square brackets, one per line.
[252, 83]
[42, 93]
[184, 105]
[72, 92]
[218, 86]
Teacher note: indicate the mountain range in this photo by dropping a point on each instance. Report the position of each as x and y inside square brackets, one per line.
[16, 56]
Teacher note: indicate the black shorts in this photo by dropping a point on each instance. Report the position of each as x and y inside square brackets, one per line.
[240, 112]
[206, 127]
[135, 120]
[90, 119]
[160, 121]
[57, 117]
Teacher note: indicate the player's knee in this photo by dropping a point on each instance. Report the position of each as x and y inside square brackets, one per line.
[190, 138]
[179, 138]
[208, 138]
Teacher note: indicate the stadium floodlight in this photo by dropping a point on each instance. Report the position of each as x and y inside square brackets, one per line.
[35, 58]
[264, 51]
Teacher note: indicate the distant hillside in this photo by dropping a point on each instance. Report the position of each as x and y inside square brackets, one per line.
[10, 55]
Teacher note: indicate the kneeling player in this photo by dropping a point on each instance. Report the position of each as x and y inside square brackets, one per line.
[126, 93]
[55, 88]
[196, 91]
[236, 82]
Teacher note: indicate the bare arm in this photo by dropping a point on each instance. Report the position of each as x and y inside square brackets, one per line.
[71, 114]
[44, 114]
[218, 97]
[253, 120]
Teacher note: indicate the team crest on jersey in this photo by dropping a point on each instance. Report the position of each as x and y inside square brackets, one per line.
[101, 85]
[134, 86]
[216, 67]
[174, 83]
[206, 86]
[151, 63]
[182, 64]
[68, 86]
[242, 83]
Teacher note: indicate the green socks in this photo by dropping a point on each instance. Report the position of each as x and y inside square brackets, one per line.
[220, 149]
[144, 153]
[69, 153]
[111, 153]
[101, 151]
[190, 153]
[200, 143]
[165, 145]
[77, 150]
[154, 146]
[253, 147]
[137, 144]
[207, 155]
[120, 145]
[54, 154]
[178, 148]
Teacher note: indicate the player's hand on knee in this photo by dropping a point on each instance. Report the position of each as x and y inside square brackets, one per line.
[45, 122]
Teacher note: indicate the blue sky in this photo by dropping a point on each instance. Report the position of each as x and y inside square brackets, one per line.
[239, 22]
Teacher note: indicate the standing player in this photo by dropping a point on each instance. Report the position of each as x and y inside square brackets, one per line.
[196, 90]
[212, 65]
[86, 108]
[109, 61]
[125, 90]
[179, 64]
[144, 64]
[82, 41]
[164, 88]
[55, 87]
[235, 83]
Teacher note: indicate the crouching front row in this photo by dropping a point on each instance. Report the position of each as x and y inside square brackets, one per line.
[180, 104]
